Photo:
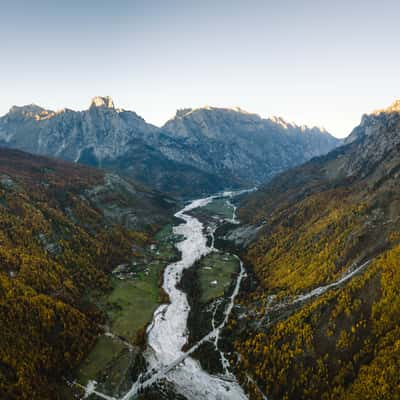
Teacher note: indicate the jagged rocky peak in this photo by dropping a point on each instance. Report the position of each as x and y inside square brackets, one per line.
[208, 121]
[216, 115]
[385, 120]
[234, 122]
[28, 110]
[184, 112]
[227, 111]
[283, 123]
[102, 102]
[377, 136]
[207, 115]
[393, 108]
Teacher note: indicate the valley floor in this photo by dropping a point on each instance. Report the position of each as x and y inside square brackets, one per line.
[117, 359]
[212, 337]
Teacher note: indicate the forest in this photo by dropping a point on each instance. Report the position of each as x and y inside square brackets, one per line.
[344, 343]
[55, 245]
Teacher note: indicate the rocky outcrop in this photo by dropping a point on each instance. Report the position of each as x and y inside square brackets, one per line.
[370, 142]
[103, 102]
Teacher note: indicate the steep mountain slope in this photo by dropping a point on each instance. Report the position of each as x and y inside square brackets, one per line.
[316, 224]
[252, 148]
[64, 228]
[199, 151]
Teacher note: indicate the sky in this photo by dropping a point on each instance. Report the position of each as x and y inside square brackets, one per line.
[314, 62]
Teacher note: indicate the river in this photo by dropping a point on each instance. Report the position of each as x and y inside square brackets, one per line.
[168, 332]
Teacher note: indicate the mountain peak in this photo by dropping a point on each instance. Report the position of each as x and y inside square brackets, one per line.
[394, 107]
[27, 109]
[183, 112]
[377, 123]
[282, 122]
[102, 102]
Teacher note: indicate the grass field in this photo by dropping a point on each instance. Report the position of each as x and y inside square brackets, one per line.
[105, 350]
[219, 207]
[215, 274]
[130, 305]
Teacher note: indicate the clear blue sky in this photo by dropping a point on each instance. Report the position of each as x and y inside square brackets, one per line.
[314, 61]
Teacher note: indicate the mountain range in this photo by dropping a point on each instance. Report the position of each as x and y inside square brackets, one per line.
[198, 151]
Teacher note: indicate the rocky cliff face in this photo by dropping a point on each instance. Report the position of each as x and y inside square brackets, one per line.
[101, 132]
[252, 148]
[377, 134]
[198, 151]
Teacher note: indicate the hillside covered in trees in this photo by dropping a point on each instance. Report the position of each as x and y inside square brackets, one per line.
[317, 224]
[64, 228]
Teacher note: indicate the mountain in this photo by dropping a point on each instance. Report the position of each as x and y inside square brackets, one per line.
[319, 317]
[198, 151]
[252, 148]
[64, 229]
[101, 132]
[102, 136]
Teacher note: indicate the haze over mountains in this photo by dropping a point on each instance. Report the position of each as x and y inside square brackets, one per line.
[198, 151]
